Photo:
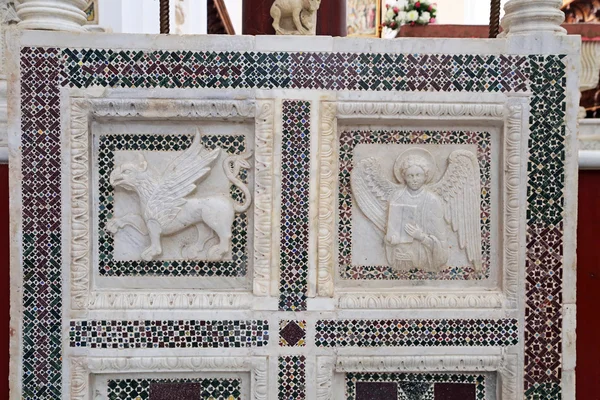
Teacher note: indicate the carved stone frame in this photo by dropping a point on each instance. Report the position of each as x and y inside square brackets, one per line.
[83, 367]
[505, 366]
[82, 110]
[513, 113]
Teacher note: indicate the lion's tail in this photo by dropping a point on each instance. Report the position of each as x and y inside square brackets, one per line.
[232, 166]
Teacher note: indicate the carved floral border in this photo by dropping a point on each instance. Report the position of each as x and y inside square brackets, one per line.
[82, 110]
[83, 367]
[505, 365]
[512, 112]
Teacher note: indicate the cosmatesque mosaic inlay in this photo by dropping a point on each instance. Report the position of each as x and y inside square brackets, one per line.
[267, 224]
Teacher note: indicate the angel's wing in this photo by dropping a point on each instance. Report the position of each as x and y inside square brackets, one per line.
[372, 191]
[179, 180]
[460, 189]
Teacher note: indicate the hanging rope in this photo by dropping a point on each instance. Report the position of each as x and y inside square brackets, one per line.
[494, 19]
[164, 16]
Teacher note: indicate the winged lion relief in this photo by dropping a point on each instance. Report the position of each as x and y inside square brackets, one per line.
[415, 215]
[166, 205]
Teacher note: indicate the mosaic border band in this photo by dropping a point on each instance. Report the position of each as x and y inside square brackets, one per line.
[416, 332]
[164, 334]
[295, 183]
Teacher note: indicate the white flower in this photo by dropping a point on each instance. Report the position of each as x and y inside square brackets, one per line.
[425, 16]
[412, 16]
[422, 20]
[425, 2]
[401, 17]
[389, 14]
[402, 4]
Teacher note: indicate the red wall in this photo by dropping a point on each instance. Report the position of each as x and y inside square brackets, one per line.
[588, 287]
[4, 275]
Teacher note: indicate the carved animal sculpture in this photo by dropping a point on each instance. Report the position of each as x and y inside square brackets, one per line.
[165, 207]
[301, 12]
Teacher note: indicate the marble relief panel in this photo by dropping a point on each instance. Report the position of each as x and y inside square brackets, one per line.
[290, 224]
[435, 225]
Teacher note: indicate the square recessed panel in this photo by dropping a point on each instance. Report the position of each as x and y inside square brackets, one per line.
[131, 170]
[450, 212]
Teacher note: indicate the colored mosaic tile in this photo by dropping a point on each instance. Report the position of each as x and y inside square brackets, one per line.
[348, 142]
[305, 70]
[238, 265]
[416, 332]
[174, 389]
[544, 391]
[413, 386]
[546, 201]
[41, 225]
[292, 333]
[295, 176]
[167, 334]
[292, 378]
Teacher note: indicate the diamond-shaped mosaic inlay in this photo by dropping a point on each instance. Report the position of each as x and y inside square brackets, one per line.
[415, 332]
[544, 257]
[114, 334]
[41, 230]
[174, 389]
[292, 333]
[295, 175]
[292, 378]
[109, 144]
[347, 143]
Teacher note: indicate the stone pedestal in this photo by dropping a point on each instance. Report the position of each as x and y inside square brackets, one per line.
[256, 19]
[54, 15]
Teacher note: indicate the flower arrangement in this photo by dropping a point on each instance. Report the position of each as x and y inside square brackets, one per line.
[420, 12]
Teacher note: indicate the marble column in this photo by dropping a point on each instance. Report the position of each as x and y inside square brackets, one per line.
[532, 16]
[8, 20]
[54, 15]
[256, 18]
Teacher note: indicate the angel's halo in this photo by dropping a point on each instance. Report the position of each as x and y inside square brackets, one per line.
[419, 152]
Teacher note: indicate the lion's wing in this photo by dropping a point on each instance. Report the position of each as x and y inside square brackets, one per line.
[372, 191]
[460, 189]
[179, 180]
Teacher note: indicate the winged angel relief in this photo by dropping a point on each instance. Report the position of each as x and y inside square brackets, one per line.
[166, 207]
[414, 214]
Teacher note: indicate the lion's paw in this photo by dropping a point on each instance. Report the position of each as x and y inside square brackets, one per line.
[114, 225]
[150, 253]
[216, 252]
